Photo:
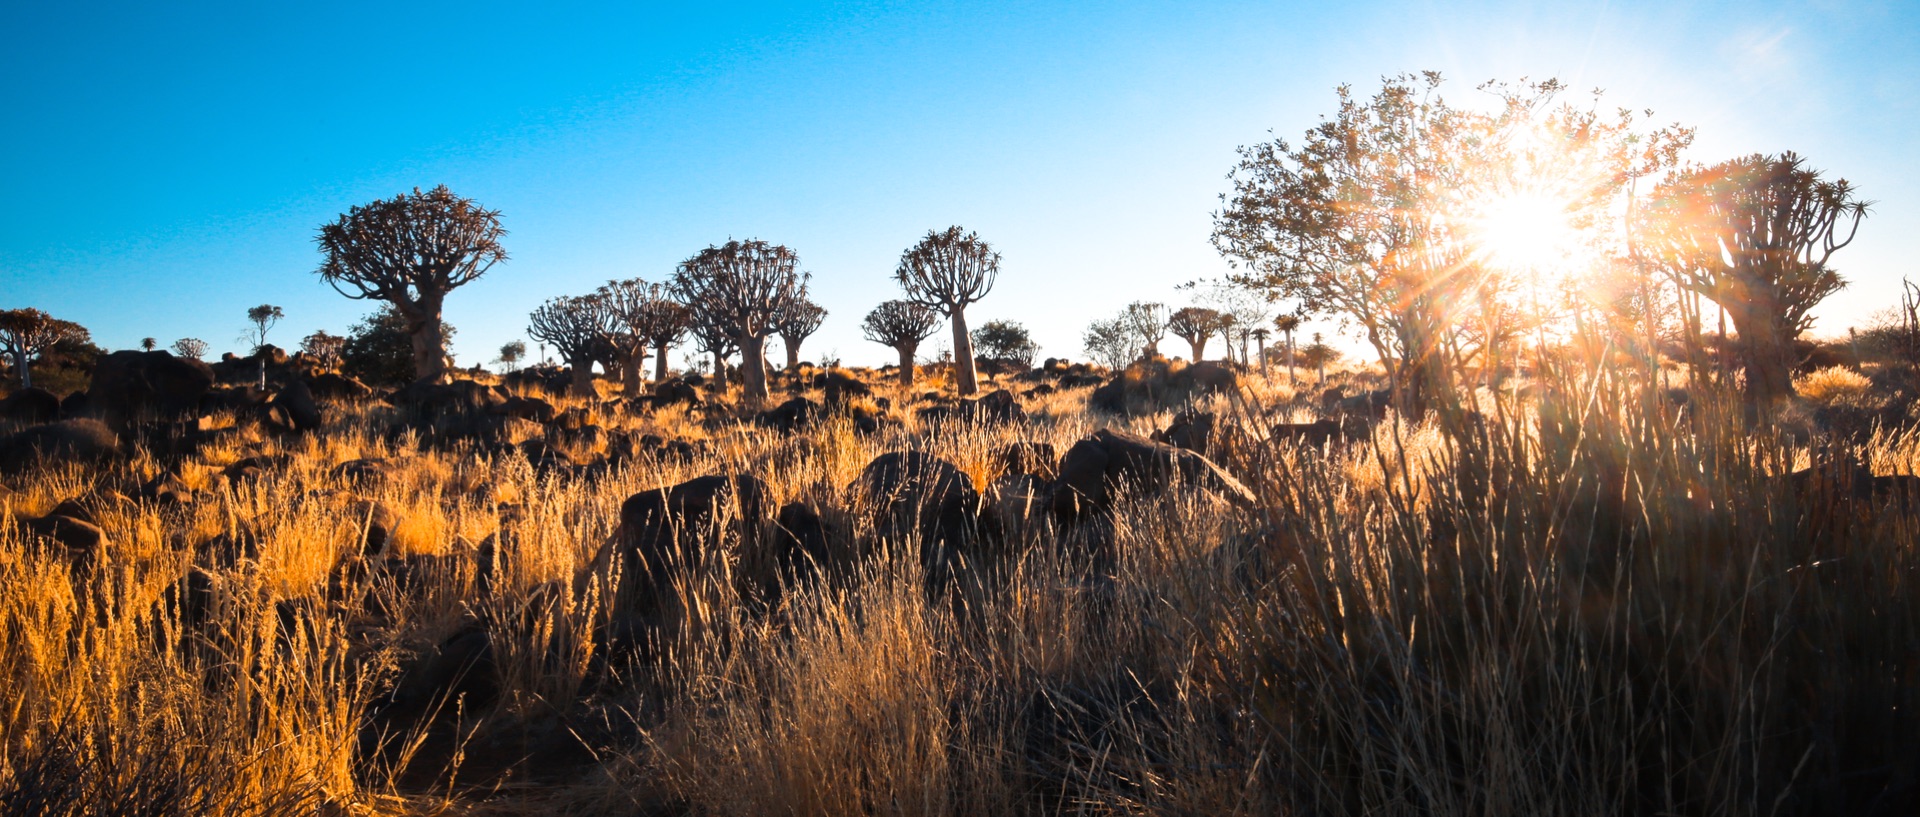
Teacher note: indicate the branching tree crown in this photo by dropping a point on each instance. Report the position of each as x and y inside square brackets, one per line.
[1755, 234]
[190, 347]
[410, 251]
[901, 325]
[740, 288]
[948, 270]
[1195, 325]
[797, 322]
[25, 333]
[576, 327]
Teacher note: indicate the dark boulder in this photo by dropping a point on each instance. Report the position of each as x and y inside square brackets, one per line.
[329, 387]
[1109, 461]
[1192, 431]
[675, 393]
[84, 441]
[913, 492]
[1316, 434]
[528, 408]
[841, 387]
[147, 385]
[293, 409]
[996, 407]
[669, 534]
[791, 416]
[1026, 457]
[31, 406]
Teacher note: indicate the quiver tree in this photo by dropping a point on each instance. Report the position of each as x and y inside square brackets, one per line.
[1148, 322]
[901, 325]
[738, 289]
[796, 323]
[713, 340]
[663, 322]
[323, 348]
[25, 333]
[947, 271]
[511, 353]
[1195, 324]
[627, 302]
[410, 251]
[263, 317]
[1288, 324]
[190, 347]
[575, 327]
[1754, 234]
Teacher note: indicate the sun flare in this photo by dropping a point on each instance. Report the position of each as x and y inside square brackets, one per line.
[1525, 230]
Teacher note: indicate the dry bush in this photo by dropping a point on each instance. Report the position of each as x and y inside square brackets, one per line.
[1833, 384]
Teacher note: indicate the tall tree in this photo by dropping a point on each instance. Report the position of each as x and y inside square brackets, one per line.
[1755, 235]
[740, 288]
[379, 351]
[949, 270]
[1195, 325]
[796, 323]
[576, 327]
[263, 318]
[901, 325]
[1006, 340]
[511, 353]
[410, 251]
[1364, 218]
[25, 333]
[628, 302]
[1111, 342]
[714, 340]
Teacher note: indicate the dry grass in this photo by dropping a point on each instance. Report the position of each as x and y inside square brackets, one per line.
[1594, 604]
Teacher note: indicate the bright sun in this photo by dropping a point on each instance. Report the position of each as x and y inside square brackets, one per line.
[1525, 230]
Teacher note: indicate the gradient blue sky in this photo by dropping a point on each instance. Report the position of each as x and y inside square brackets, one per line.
[164, 167]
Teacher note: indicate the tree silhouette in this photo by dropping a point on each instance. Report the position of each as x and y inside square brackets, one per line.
[263, 318]
[1112, 342]
[148, 344]
[1005, 340]
[511, 352]
[190, 347]
[1755, 234]
[738, 289]
[1288, 324]
[628, 302]
[796, 323]
[575, 327]
[323, 348]
[25, 333]
[901, 325]
[1195, 324]
[1149, 324]
[663, 322]
[410, 251]
[948, 271]
[714, 340]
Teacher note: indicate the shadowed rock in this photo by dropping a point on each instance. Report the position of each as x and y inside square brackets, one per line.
[1109, 461]
[913, 492]
[337, 388]
[82, 441]
[790, 416]
[30, 406]
[147, 385]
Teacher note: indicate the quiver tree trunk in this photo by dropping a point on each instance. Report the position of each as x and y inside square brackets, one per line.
[1766, 348]
[660, 363]
[719, 371]
[1199, 345]
[793, 352]
[583, 378]
[753, 370]
[963, 369]
[630, 374]
[429, 342]
[906, 364]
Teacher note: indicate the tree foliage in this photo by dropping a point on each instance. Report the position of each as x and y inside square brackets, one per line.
[25, 334]
[410, 251]
[576, 327]
[797, 322]
[902, 325]
[1005, 340]
[379, 350]
[739, 289]
[1195, 325]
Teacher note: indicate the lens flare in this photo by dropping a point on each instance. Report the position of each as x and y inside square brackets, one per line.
[1525, 230]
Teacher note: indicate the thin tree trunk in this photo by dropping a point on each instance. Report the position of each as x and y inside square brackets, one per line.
[906, 364]
[719, 371]
[26, 373]
[630, 373]
[963, 354]
[660, 363]
[1290, 374]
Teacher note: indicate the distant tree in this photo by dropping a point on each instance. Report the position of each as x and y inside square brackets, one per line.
[379, 349]
[1112, 342]
[190, 347]
[1288, 324]
[714, 341]
[1755, 234]
[410, 251]
[1318, 354]
[1194, 324]
[511, 353]
[948, 271]
[148, 344]
[901, 325]
[627, 303]
[323, 348]
[575, 327]
[1149, 323]
[263, 318]
[796, 323]
[26, 333]
[663, 322]
[739, 289]
[1260, 335]
[1005, 340]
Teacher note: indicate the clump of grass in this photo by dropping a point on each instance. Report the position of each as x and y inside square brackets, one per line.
[1832, 384]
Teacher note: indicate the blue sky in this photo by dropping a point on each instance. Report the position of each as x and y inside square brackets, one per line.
[166, 168]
